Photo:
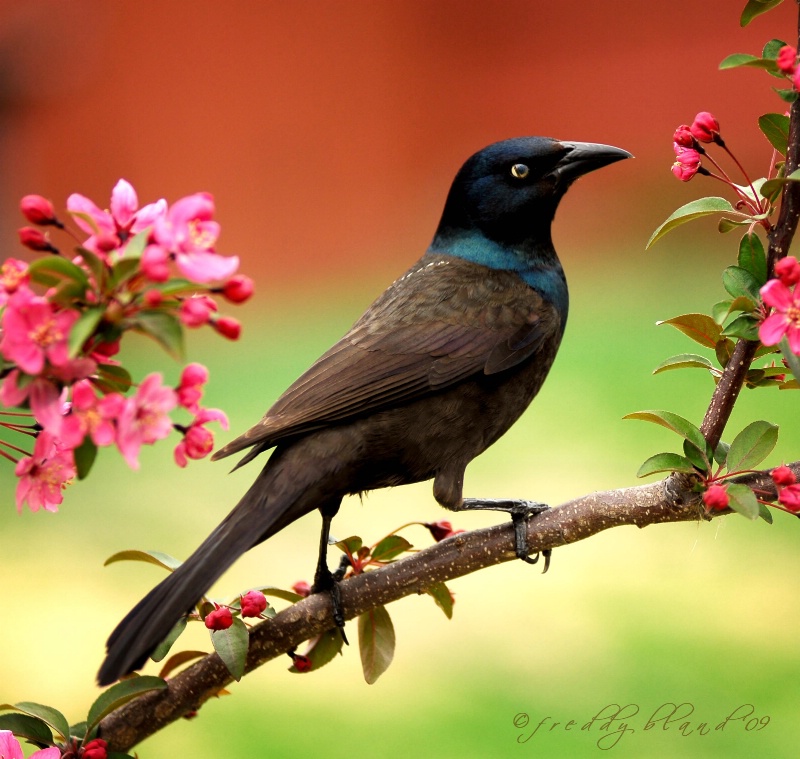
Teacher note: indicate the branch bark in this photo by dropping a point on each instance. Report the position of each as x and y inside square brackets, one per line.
[575, 520]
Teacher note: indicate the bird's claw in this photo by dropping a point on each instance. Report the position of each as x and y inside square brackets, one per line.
[521, 512]
[328, 582]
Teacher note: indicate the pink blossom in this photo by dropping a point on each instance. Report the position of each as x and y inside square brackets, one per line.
[787, 270]
[124, 219]
[190, 389]
[13, 274]
[47, 402]
[91, 415]
[219, 619]
[716, 497]
[705, 128]
[197, 310]
[785, 319]
[189, 233]
[686, 165]
[197, 441]
[144, 418]
[253, 603]
[35, 332]
[154, 263]
[10, 749]
[45, 474]
[787, 59]
[790, 498]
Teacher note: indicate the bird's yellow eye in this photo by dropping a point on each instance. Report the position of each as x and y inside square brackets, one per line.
[520, 171]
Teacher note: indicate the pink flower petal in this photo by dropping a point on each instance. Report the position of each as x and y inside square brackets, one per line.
[124, 203]
[88, 216]
[203, 267]
[772, 329]
[777, 295]
[147, 215]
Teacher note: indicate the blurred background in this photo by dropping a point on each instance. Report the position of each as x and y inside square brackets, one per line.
[329, 133]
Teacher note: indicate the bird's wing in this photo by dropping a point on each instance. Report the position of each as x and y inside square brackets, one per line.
[429, 330]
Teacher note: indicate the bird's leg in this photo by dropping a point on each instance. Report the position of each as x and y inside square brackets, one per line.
[521, 512]
[326, 581]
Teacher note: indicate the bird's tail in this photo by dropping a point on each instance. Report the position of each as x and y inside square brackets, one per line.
[266, 508]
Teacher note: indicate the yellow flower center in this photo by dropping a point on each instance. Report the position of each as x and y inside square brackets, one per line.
[44, 335]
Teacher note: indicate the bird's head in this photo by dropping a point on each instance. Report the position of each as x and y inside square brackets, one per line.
[510, 190]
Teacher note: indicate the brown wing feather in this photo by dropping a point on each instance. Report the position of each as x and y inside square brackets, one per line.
[410, 342]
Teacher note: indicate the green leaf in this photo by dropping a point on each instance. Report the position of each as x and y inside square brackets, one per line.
[178, 660]
[286, 595]
[684, 361]
[78, 730]
[112, 379]
[744, 59]
[123, 270]
[700, 458]
[694, 210]
[175, 286]
[95, 264]
[136, 245]
[765, 513]
[376, 642]
[349, 545]
[792, 361]
[772, 188]
[775, 127]
[32, 729]
[666, 462]
[163, 327]
[753, 258]
[84, 328]
[120, 694]
[772, 48]
[752, 445]
[788, 94]
[323, 649]
[163, 648]
[440, 593]
[150, 557]
[700, 327]
[53, 270]
[673, 422]
[728, 225]
[390, 547]
[755, 8]
[47, 714]
[721, 453]
[85, 455]
[744, 327]
[741, 283]
[723, 351]
[231, 645]
[743, 500]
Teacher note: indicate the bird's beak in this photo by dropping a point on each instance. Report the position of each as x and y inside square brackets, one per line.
[583, 157]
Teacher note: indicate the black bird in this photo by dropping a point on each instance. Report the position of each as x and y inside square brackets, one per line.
[435, 371]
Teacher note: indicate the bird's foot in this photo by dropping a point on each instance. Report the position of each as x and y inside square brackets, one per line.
[520, 512]
[326, 581]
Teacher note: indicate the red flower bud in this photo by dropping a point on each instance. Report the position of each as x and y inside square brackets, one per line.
[38, 210]
[790, 498]
[197, 310]
[35, 240]
[153, 298]
[301, 663]
[238, 288]
[683, 137]
[441, 529]
[219, 619]
[787, 59]
[302, 588]
[705, 128]
[686, 165]
[716, 497]
[253, 603]
[783, 476]
[787, 270]
[227, 327]
[95, 749]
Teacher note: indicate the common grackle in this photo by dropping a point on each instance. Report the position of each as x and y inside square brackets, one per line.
[435, 371]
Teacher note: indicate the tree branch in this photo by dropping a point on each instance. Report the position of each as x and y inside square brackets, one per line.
[463, 554]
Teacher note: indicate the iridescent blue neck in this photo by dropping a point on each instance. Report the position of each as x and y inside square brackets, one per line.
[537, 265]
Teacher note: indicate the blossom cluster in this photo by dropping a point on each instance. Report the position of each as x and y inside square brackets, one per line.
[62, 319]
[716, 497]
[251, 604]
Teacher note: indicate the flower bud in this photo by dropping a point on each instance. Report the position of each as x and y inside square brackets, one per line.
[302, 588]
[787, 59]
[153, 298]
[783, 476]
[197, 310]
[301, 663]
[95, 749]
[227, 327]
[38, 210]
[790, 498]
[238, 288]
[705, 128]
[686, 165]
[683, 137]
[440, 530]
[716, 497]
[219, 619]
[253, 603]
[787, 270]
[35, 240]
[154, 263]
